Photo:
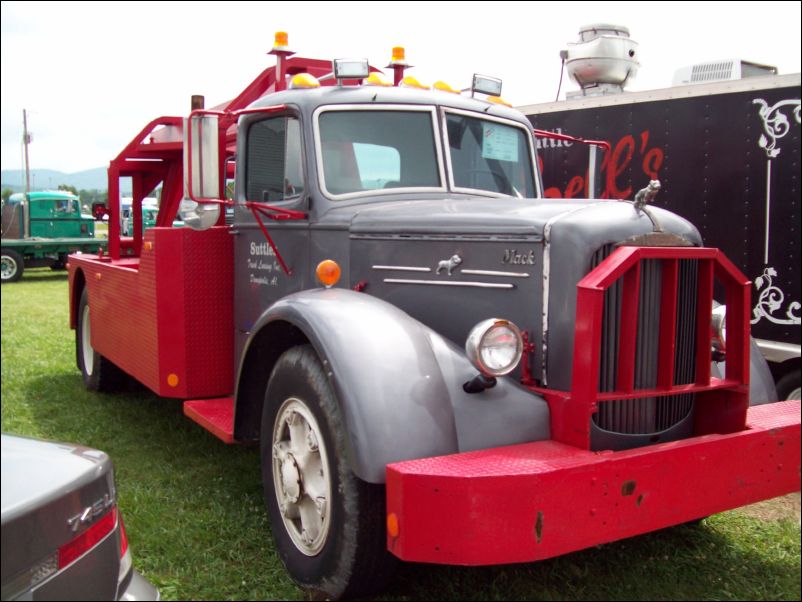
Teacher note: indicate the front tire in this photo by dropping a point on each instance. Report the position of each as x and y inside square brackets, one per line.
[328, 525]
[12, 266]
[99, 374]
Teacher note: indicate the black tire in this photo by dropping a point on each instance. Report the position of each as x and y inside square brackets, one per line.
[12, 266]
[347, 556]
[99, 374]
[59, 264]
[788, 386]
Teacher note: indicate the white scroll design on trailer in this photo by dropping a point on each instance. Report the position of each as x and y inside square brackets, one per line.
[776, 124]
[772, 299]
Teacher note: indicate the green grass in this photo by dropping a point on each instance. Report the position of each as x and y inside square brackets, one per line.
[198, 529]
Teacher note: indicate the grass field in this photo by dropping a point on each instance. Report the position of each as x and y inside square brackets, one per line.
[198, 529]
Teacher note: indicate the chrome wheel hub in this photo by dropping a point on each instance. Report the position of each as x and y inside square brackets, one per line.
[301, 476]
[9, 268]
[86, 343]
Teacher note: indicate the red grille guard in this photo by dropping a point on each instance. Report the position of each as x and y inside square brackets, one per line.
[539, 500]
[720, 403]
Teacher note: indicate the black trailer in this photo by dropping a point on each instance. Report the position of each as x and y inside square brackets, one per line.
[727, 156]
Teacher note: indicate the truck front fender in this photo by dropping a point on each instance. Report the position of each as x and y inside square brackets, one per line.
[761, 383]
[399, 384]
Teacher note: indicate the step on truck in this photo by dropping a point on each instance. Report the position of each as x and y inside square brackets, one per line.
[438, 363]
[40, 229]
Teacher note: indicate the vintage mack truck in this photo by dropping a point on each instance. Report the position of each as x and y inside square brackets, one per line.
[41, 228]
[439, 364]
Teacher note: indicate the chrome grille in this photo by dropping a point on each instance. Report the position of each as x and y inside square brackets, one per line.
[647, 415]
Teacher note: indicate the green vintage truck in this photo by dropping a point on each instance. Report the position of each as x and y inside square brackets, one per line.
[39, 229]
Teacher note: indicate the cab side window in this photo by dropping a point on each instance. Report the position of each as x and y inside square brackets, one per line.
[274, 165]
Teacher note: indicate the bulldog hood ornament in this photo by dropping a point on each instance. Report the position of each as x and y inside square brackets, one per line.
[646, 195]
[643, 198]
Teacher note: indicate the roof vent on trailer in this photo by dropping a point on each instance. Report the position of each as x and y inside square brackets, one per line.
[602, 61]
[715, 71]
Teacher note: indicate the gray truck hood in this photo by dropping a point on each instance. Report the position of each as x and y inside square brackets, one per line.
[474, 216]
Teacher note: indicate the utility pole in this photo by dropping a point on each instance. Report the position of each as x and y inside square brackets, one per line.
[26, 139]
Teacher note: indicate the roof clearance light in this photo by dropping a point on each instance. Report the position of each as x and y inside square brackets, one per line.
[375, 79]
[304, 80]
[486, 85]
[498, 100]
[351, 68]
[444, 87]
[411, 82]
[282, 41]
[399, 56]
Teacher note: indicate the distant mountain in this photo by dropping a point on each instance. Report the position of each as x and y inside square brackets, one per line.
[48, 179]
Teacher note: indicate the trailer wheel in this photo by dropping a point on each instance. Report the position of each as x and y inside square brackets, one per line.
[328, 525]
[788, 387]
[12, 266]
[60, 263]
[99, 374]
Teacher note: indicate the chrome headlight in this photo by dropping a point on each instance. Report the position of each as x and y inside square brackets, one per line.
[494, 346]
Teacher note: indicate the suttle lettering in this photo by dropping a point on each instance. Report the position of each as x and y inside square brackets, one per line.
[262, 249]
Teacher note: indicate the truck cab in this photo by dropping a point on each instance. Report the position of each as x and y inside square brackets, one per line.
[429, 353]
[39, 229]
[51, 214]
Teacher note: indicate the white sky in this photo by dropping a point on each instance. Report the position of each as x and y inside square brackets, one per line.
[92, 74]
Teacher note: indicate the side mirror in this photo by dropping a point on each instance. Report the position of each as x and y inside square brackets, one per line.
[201, 171]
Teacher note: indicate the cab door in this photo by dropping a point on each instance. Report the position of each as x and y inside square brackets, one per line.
[271, 172]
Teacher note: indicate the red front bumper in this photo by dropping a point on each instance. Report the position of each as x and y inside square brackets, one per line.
[538, 500]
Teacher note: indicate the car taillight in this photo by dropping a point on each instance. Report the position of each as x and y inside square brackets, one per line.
[72, 550]
[123, 537]
[126, 561]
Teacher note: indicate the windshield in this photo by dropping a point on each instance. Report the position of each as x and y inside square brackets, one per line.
[488, 155]
[377, 149]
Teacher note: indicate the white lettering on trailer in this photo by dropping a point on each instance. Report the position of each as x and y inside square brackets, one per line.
[551, 142]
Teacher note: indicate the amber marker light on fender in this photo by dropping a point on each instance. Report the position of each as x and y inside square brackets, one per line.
[328, 272]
